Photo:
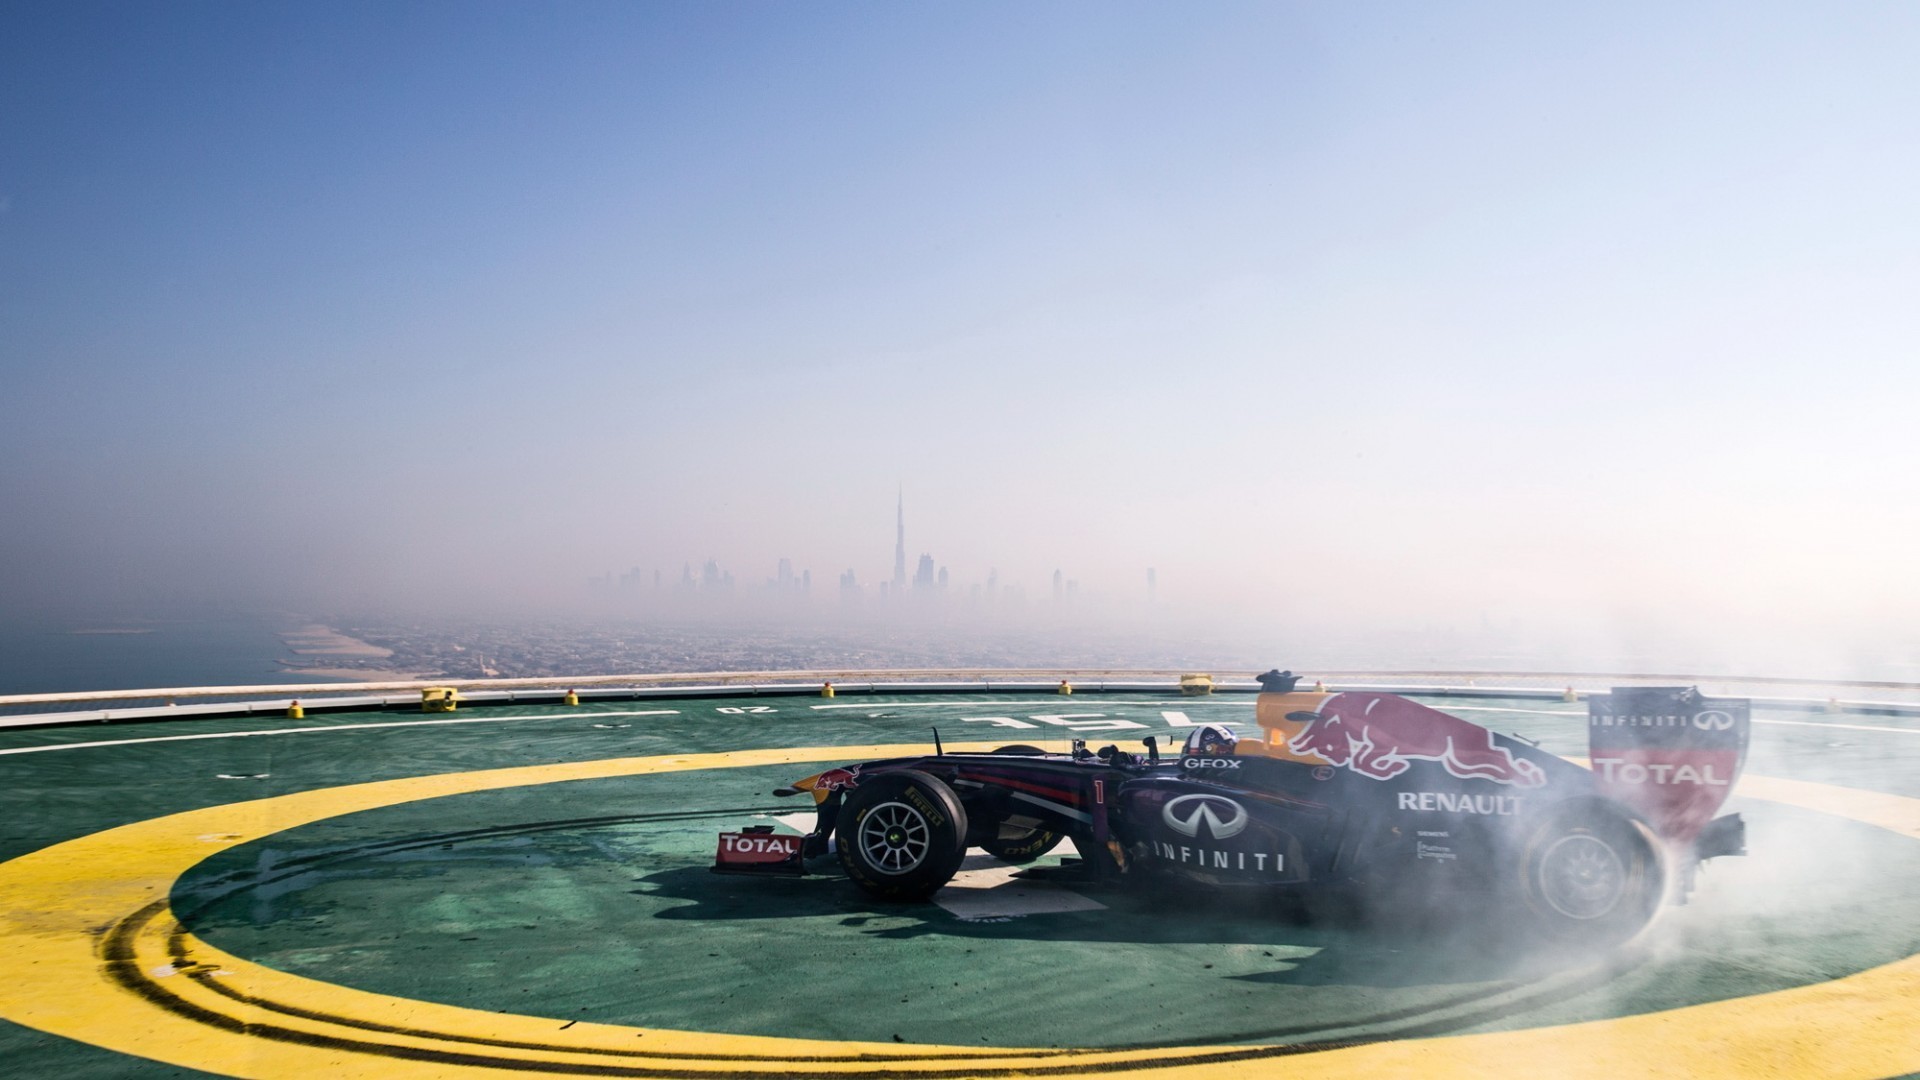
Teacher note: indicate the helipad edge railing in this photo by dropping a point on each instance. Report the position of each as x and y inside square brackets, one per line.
[215, 701]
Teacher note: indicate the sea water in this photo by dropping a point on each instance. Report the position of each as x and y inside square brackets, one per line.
[137, 654]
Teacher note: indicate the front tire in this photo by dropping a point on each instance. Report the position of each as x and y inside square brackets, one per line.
[1591, 876]
[901, 835]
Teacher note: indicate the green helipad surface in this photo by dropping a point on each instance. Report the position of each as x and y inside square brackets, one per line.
[560, 915]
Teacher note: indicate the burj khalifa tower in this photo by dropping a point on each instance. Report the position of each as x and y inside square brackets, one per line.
[900, 543]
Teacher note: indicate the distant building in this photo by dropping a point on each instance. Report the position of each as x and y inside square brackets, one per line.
[1059, 585]
[923, 574]
[900, 542]
[943, 579]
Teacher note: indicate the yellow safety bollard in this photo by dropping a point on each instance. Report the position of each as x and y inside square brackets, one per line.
[295, 712]
[826, 689]
[439, 699]
[572, 698]
[1064, 688]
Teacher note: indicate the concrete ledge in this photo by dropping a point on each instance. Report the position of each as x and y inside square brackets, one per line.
[354, 697]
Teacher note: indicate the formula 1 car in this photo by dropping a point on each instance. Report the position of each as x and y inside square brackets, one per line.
[1346, 790]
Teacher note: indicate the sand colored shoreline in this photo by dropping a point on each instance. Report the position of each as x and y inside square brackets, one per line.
[317, 640]
[359, 674]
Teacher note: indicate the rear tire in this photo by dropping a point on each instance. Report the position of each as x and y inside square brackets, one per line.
[901, 835]
[1591, 876]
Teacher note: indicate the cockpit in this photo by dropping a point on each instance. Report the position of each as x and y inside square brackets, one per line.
[1209, 741]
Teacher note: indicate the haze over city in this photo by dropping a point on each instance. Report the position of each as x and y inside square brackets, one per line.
[1491, 322]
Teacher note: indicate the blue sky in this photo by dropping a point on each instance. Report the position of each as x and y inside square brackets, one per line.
[1602, 315]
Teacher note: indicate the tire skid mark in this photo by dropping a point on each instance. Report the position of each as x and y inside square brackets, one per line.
[1430, 1023]
[129, 861]
[294, 865]
[122, 962]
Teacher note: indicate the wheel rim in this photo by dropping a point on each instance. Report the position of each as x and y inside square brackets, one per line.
[1581, 876]
[895, 838]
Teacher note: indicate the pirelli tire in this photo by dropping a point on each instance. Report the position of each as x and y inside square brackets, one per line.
[1591, 875]
[901, 835]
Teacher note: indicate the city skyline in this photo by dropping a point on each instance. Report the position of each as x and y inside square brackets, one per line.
[1595, 320]
[929, 578]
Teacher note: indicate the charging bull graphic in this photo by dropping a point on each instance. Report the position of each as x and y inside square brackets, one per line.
[1379, 735]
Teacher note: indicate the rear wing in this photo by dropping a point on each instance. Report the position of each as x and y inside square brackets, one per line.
[1669, 752]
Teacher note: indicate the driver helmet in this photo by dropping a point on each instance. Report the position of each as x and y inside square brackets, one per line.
[1209, 741]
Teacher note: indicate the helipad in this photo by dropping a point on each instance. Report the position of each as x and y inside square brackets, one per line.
[522, 887]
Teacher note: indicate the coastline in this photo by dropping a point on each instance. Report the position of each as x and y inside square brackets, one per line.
[125, 653]
[315, 639]
[315, 644]
[349, 674]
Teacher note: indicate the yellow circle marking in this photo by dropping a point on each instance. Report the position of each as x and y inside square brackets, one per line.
[96, 955]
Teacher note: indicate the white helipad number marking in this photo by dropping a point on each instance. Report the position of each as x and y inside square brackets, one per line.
[1179, 719]
[998, 721]
[1087, 721]
[919, 705]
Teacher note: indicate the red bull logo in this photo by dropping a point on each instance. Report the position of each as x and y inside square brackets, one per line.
[1380, 736]
[834, 780]
[823, 785]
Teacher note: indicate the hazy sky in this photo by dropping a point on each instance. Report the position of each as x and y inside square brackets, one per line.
[1596, 313]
